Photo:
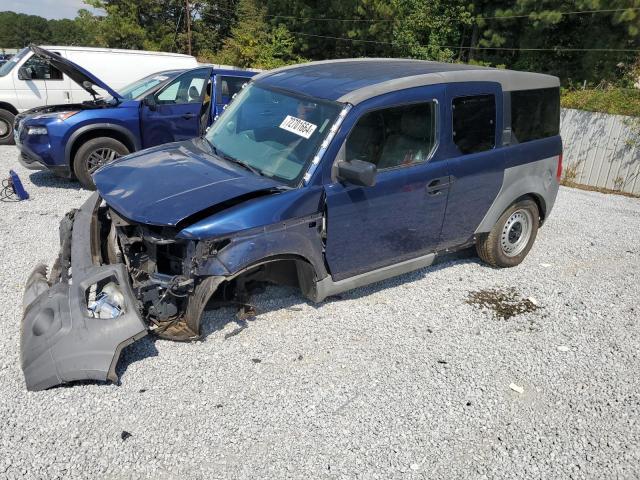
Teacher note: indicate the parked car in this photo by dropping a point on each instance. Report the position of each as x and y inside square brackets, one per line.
[74, 140]
[325, 176]
[28, 80]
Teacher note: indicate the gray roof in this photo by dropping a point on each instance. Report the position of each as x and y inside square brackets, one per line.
[356, 80]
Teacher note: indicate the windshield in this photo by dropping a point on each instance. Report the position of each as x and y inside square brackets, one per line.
[7, 67]
[275, 133]
[142, 86]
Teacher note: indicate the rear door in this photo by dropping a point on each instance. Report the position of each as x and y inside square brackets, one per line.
[177, 109]
[400, 217]
[226, 87]
[475, 157]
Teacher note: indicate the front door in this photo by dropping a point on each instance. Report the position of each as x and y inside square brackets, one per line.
[475, 157]
[400, 217]
[175, 112]
[30, 82]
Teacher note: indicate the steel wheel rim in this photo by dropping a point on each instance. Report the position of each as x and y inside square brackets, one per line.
[4, 128]
[99, 157]
[516, 233]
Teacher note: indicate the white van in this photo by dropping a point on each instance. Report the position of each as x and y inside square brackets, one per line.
[27, 81]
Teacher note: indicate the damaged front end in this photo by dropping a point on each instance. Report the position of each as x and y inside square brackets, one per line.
[78, 319]
[113, 282]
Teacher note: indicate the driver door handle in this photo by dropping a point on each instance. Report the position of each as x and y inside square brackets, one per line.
[188, 116]
[436, 186]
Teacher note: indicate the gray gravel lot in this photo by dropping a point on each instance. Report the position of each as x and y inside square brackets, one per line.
[403, 379]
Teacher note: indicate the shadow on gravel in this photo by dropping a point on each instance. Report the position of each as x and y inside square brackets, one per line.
[136, 352]
[287, 298]
[44, 178]
[275, 297]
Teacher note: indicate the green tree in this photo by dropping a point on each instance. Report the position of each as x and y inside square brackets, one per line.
[19, 30]
[254, 43]
[531, 24]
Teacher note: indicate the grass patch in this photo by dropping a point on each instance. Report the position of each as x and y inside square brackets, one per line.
[616, 101]
[589, 188]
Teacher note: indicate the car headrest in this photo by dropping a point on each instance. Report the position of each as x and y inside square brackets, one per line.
[193, 93]
[412, 124]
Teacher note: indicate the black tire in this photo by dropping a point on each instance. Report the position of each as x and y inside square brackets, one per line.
[6, 127]
[93, 154]
[511, 238]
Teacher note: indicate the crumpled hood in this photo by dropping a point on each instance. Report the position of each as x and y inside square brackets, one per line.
[73, 71]
[168, 184]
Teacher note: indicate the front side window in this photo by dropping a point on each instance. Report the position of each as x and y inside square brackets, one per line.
[535, 114]
[275, 133]
[394, 137]
[229, 86]
[187, 88]
[142, 86]
[40, 69]
[474, 123]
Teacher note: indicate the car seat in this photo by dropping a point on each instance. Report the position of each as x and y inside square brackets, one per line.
[407, 146]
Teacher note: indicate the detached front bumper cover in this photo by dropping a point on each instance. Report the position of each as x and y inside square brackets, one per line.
[60, 340]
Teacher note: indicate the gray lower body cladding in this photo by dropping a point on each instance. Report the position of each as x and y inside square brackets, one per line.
[60, 340]
[534, 178]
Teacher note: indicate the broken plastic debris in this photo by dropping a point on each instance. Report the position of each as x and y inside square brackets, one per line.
[534, 301]
[563, 348]
[545, 265]
[516, 388]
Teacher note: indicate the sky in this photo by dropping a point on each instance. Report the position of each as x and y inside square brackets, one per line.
[45, 8]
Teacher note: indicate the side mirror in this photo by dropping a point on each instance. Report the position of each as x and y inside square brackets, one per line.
[25, 73]
[357, 172]
[150, 102]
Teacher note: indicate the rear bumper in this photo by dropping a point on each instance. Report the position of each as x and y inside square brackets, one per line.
[60, 340]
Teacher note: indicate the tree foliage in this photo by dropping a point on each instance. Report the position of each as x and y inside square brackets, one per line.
[269, 33]
[253, 42]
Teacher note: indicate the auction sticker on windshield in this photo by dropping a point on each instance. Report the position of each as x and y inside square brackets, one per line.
[298, 126]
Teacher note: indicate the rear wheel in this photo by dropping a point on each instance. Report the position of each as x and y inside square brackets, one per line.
[92, 155]
[511, 238]
[6, 127]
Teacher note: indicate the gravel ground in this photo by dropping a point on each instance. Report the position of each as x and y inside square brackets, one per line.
[403, 379]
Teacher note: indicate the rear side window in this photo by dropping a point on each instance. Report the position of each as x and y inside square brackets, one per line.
[535, 114]
[474, 123]
[229, 86]
[394, 137]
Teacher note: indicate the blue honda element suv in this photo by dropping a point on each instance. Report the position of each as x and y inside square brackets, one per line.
[74, 140]
[325, 176]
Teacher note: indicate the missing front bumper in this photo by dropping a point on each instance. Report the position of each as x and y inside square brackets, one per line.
[60, 341]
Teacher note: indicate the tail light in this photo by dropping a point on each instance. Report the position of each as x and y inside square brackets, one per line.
[559, 171]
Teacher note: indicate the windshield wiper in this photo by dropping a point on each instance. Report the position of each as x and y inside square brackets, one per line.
[230, 159]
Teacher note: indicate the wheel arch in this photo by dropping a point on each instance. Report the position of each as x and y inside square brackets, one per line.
[284, 269]
[535, 180]
[8, 107]
[89, 132]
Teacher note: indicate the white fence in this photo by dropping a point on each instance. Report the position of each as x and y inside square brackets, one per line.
[601, 150]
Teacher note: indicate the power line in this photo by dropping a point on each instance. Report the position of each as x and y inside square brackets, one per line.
[388, 20]
[456, 47]
[576, 12]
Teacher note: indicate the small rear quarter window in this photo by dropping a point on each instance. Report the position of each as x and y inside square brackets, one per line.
[474, 123]
[535, 114]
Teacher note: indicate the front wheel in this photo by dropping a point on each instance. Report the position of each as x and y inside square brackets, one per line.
[6, 127]
[511, 238]
[92, 155]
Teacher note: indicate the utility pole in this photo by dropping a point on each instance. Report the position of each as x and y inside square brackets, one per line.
[188, 14]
